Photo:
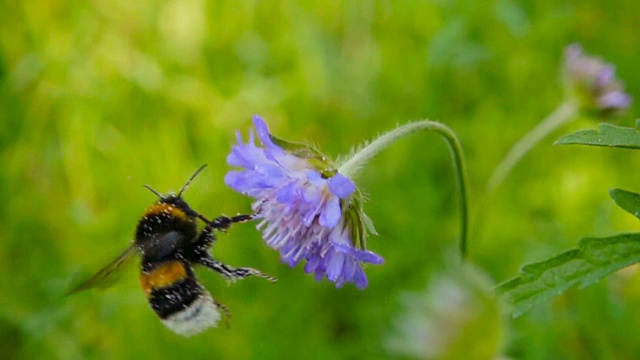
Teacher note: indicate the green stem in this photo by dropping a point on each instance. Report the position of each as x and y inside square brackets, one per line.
[352, 166]
[562, 115]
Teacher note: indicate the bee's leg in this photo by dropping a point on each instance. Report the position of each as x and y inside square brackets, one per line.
[207, 237]
[222, 223]
[225, 311]
[200, 252]
[200, 247]
[231, 273]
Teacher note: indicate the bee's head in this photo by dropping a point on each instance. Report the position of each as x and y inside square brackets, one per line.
[176, 199]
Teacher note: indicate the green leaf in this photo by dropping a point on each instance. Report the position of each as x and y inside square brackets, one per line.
[308, 152]
[627, 200]
[591, 261]
[606, 135]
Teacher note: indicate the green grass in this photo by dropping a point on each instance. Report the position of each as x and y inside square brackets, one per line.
[98, 98]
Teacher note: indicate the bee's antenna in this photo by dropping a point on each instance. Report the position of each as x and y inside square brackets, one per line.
[153, 191]
[191, 179]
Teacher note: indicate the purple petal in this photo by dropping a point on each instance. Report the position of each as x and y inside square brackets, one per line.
[360, 255]
[263, 132]
[315, 177]
[310, 215]
[339, 239]
[288, 193]
[246, 156]
[615, 100]
[319, 275]
[350, 266]
[313, 263]
[335, 262]
[312, 195]
[237, 180]
[360, 279]
[341, 186]
[606, 76]
[291, 254]
[331, 214]
[369, 257]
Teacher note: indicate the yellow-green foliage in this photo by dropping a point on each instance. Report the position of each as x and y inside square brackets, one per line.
[100, 97]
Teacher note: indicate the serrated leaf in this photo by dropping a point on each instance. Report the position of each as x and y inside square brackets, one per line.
[591, 261]
[606, 135]
[627, 200]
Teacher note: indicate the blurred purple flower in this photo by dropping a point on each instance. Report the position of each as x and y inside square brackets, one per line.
[594, 82]
[309, 211]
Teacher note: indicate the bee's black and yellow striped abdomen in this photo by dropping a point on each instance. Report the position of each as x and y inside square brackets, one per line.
[175, 295]
[163, 234]
[166, 275]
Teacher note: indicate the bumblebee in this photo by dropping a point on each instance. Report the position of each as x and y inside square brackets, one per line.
[169, 244]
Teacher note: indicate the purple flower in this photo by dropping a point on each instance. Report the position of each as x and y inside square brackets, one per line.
[309, 211]
[594, 82]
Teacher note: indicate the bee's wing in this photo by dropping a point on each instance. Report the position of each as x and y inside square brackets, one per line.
[100, 277]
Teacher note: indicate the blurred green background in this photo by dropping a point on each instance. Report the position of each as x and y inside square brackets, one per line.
[98, 98]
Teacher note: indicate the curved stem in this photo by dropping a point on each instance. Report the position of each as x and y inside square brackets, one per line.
[351, 167]
[562, 115]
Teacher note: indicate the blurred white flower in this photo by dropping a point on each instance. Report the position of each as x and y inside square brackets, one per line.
[456, 317]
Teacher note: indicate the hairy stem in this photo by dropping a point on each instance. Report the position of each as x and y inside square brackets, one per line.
[352, 166]
[562, 115]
